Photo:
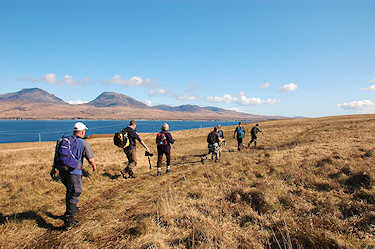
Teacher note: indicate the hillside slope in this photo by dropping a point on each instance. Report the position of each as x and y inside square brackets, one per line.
[310, 184]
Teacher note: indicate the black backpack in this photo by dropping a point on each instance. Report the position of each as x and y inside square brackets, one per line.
[212, 137]
[121, 138]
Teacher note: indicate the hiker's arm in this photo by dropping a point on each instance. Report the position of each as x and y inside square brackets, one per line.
[92, 163]
[144, 145]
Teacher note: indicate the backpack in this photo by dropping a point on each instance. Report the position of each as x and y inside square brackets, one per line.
[211, 138]
[253, 132]
[240, 132]
[121, 139]
[68, 154]
[161, 139]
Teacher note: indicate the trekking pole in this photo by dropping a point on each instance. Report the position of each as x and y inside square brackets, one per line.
[149, 162]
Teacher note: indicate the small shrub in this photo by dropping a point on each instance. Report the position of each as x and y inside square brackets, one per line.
[323, 162]
[358, 180]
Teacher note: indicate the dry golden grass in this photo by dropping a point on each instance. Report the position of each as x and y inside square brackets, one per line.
[310, 184]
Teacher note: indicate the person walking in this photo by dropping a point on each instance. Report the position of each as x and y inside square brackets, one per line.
[254, 135]
[239, 133]
[221, 135]
[213, 140]
[73, 179]
[130, 151]
[164, 140]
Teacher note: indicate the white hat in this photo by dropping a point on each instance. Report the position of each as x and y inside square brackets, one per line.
[79, 127]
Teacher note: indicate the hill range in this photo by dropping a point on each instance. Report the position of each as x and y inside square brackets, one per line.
[35, 103]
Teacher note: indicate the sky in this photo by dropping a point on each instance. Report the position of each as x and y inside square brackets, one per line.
[306, 58]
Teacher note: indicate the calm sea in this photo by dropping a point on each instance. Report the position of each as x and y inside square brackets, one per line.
[12, 131]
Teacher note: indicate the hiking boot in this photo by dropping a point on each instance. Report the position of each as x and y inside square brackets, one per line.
[202, 160]
[158, 174]
[168, 171]
[123, 175]
[70, 225]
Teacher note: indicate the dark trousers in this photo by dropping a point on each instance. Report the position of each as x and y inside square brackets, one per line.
[253, 139]
[132, 160]
[73, 184]
[161, 152]
[239, 142]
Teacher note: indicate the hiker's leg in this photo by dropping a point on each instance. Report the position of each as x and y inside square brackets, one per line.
[239, 141]
[160, 160]
[73, 191]
[168, 156]
[132, 162]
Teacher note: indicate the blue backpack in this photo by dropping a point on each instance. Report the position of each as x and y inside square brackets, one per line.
[68, 153]
[240, 132]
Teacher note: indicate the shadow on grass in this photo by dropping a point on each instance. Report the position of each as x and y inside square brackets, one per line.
[112, 177]
[29, 215]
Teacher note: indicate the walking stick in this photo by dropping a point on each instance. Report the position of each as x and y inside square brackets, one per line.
[149, 162]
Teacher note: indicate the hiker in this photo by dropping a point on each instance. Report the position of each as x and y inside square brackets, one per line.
[254, 136]
[73, 179]
[213, 140]
[164, 140]
[240, 134]
[130, 151]
[221, 135]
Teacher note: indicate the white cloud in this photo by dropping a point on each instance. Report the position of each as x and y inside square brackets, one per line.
[77, 102]
[157, 92]
[50, 78]
[373, 80]
[68, 79]
[291, 87]
[227, 98]
[258, 101]
[133, 81]
[265, 85]
[369, 88]
[243, 100]
[187, 97]
[86, 79]
[192, 87]
[148, 102]
[362, 106]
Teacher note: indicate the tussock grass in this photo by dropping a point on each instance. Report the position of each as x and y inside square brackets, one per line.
[309, 184]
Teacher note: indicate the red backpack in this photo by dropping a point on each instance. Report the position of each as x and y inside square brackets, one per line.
[161, 139]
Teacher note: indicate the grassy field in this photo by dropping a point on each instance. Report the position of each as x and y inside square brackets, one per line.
[309, 184]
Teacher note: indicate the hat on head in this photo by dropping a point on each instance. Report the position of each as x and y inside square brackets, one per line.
[79, 127]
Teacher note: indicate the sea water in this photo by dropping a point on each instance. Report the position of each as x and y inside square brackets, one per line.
[13, 131]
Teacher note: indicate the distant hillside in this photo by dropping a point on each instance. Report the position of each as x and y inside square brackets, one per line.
[32, 94]
[192, 108]
[31, 104]
[109, 99]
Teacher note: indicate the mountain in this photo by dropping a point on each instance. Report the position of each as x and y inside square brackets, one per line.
[31, 104]
[181, 108]
[31, 95]
[111, 99]
[193, 108]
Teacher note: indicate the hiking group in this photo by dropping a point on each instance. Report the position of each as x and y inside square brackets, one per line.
[70, 151]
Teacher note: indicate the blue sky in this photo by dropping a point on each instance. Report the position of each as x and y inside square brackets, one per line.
[293, 58]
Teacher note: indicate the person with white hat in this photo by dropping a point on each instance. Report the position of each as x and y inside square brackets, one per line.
[72, 179]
